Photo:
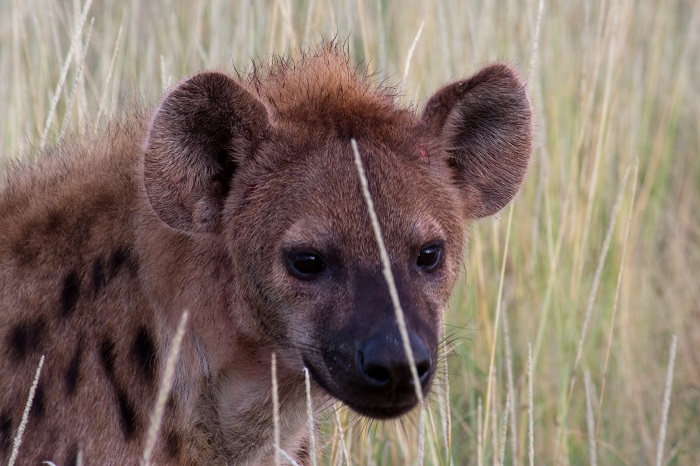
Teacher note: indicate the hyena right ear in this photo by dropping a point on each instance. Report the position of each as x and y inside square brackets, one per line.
[201, 132]
[484, 125]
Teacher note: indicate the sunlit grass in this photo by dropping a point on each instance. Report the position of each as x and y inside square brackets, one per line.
[594, 284]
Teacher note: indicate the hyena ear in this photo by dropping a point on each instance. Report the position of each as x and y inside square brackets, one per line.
[484, 124]
[201, 132]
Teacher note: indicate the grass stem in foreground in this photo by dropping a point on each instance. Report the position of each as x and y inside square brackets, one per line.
[25, 415]
[166, 385]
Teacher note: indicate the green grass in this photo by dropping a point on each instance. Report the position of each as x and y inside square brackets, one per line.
[614, 86]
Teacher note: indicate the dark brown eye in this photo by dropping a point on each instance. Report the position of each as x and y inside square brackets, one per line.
[429, 258]
[304, 265]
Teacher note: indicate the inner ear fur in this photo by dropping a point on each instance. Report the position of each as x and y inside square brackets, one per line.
[484, 124]
[201, 132]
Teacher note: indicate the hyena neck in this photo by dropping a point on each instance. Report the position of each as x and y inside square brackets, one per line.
[183, 272]
[223, 374]
[244, 398]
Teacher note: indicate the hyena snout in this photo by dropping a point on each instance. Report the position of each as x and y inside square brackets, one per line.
[384, 365]
[376, 380]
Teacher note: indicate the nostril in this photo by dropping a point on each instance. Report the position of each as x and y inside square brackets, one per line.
[385, 366]
[423, 368]
[378, 374]
[374, 370]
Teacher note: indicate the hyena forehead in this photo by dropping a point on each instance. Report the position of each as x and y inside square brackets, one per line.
[324, 208]
[327, 233]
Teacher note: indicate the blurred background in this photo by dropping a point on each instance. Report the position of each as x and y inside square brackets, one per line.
[574, 334]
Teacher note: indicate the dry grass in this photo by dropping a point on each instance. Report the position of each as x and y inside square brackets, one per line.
[17, 442]
[613, 84]
[166, 384]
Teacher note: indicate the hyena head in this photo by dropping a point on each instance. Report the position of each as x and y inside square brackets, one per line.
[266, 164]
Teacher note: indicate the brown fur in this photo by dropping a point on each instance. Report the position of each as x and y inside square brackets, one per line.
[200, 206]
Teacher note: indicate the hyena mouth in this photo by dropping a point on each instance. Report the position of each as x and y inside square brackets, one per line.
[376, 381]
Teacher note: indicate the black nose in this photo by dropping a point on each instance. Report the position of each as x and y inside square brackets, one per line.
[384, 364]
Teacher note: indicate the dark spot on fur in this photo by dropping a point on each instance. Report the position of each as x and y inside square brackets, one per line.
[25, 337]
[173, 444]
[38, 404]
[70, 294]
[105, 269]
[72, 375]
[303, 452]
[54, 222]
[127, 414]
[25, 251]
[72, 456]
[143, 351]
[98, 275]
[5, 431]
[126, 409]
[121, 258]
[116, 261]
[171, 405]
[107, 356]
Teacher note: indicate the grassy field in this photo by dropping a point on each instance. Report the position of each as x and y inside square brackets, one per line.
[577, 320]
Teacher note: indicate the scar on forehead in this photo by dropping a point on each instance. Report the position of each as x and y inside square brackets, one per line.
[423, 151]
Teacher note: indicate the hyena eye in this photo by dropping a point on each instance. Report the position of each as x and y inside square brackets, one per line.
[304, 265]
[429, 258]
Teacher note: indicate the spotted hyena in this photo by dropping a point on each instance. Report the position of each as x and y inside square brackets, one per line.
[237, 198]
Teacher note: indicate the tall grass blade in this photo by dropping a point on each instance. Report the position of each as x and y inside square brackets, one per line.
[590, 423]
[499, 305]
[531, 408]
[275, 412]
[386, 269]
[341, 435]
[108, 80]
[510, 395]
[76, 82]
[310, 417]
[479, 435]
[285, 455]
[666, 402]
[504, 432]
[411, 51]
[166, 385]
[618, 287]
[25, 414]
[64, 74]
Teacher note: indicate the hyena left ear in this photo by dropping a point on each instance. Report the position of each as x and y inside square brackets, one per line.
[484, 124]
[203, 130]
